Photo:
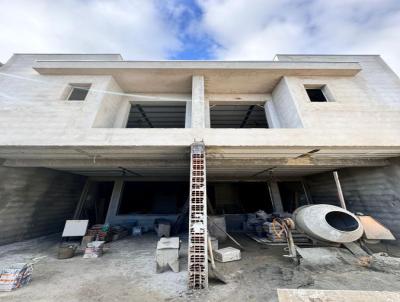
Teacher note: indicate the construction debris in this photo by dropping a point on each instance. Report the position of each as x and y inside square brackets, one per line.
[101, 232]
[324, 256]
[118, 232]
[227, 254]
[384, 262]
[94, 249]
[86, 240]
[373, 230]
[167, 254]
[269, 229]
[15, 276]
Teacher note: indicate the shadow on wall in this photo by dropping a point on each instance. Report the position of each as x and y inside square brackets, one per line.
[373, 191]
[36, 201]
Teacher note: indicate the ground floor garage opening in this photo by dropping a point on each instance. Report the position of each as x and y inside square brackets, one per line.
[143, 203]
[239, 197]
[153, 197]
[130, 200]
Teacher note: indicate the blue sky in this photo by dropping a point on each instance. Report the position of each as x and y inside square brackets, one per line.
[202, 29]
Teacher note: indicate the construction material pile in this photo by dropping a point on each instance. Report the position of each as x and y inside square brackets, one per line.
[94, 249]
[107, 233]
[101, 232]
[15, 276]
[269, 228]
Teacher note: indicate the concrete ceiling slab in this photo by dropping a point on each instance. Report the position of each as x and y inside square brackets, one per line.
[176, 76]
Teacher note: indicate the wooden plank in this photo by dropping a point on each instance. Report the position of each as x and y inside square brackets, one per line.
[312, 295]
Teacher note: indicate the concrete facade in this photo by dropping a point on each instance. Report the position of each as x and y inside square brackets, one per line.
[358, 128]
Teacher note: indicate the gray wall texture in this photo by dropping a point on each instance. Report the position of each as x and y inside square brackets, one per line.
[372, 191]
[35, 201]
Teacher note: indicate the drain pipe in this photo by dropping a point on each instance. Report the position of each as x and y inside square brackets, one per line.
[339, 189]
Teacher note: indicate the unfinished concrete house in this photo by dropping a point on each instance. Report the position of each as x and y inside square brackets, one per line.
[127, 142]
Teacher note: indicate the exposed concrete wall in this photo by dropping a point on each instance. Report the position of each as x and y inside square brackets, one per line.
[109, 113]
[285, 106]
[368, 101]
[31, 103]
[373, 191]
[35, 201]
[35, 112]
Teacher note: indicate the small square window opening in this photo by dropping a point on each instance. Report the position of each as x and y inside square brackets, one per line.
[78, 92]
[316, 95]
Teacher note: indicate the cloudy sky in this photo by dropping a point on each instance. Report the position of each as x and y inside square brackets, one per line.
[202, 29]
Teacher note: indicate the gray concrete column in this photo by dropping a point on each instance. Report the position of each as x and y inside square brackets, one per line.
[115, 199]
[275, 196]
[198, 117]
[271, 115]
[188, 114]
[207, 118]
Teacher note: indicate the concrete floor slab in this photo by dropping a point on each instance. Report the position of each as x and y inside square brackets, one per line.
[127, 272]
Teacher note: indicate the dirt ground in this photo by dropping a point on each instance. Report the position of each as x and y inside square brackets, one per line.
[126, 272]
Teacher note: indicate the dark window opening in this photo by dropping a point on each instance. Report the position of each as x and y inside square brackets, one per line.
[156, 116]
[153, 197]
[238, 116]
[78, 92]
[292, 195]
[239, 197]
[341, 221]
[96, 202]
[316, 95]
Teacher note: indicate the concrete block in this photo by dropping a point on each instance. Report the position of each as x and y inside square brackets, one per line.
[167, 254]
[227, 254]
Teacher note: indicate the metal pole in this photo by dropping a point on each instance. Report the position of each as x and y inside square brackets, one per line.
[305, 193]
[339, 189]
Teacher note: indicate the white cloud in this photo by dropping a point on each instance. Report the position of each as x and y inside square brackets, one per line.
[240, 29]
[257, 29]
[134, 28]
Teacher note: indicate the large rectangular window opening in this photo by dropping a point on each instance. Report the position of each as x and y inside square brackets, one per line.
[156, 116]
[238, 116]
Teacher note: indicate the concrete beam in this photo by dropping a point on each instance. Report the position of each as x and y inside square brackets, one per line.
[161, 138]
[211, 162]
[97, 67]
